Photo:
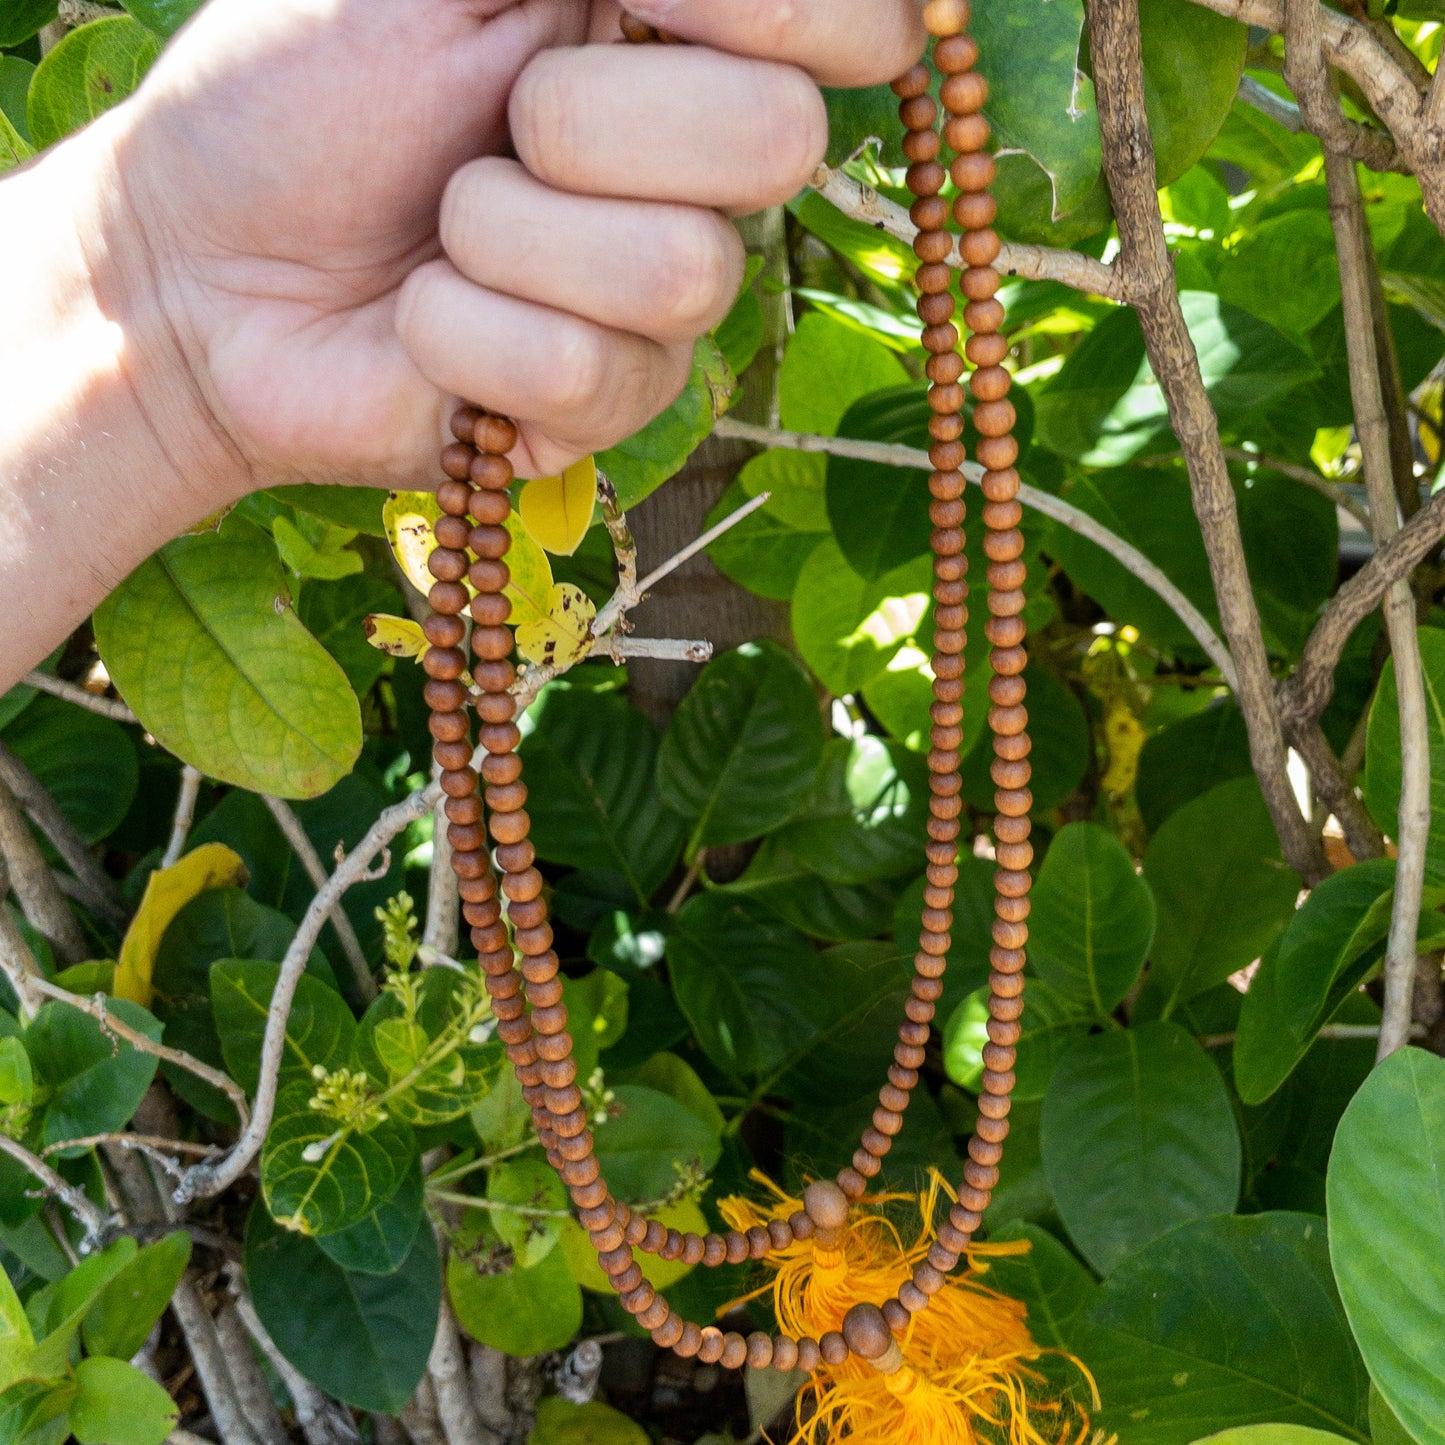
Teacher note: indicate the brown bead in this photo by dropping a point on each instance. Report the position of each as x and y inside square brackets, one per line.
[494, 434]
[523, 886]
[955, 53]
[501, 769]
[834, 1348]
[922, 145]
[966, 133]
[918, 112]
[785, 1354]
[451, 532]
[448, 598]
[490, 611]
[937, 309]
[809, 1355]
[853, 1183]
[930, 213]
[490, 509]
[825, 1204]
[710, 1349]
[964, 93]
[465, 812]
[972, 170]
[759, 1351]
[488, 575]
[452, 756]
[443, 631]
[691, 1341]
[944, 369]
[987, 349]
[779, 1235]
[491, 643]
[668, 1333]
[489, 543]
[930, 246]
[943, 18]
[492, 473]
[456, 461]
[445, 664]
[735, 1351]
[464, 423]
[935, 339]
[913, 82]
[514, 857]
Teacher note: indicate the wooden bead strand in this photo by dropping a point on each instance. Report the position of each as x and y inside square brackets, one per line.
[485, 806]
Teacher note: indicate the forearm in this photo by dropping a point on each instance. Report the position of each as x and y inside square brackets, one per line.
[104, 453]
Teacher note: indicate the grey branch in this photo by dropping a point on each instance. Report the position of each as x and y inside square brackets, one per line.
[1030, 263]
[1306, 478]
[94, 886]
[104, 706]
[213, 1176]
[1364, 142]
[295, 834]
[98, 1225]
[183, 816]
[34, 886]
[1129, 168]
[1076, 520]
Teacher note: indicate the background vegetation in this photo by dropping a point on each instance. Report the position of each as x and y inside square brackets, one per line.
[262, 1173]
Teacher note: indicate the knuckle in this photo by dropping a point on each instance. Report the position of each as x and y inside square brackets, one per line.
[580, 371]
[797, 137]
[697, 276]
[464, 209]
[543, 122]
[414, 303]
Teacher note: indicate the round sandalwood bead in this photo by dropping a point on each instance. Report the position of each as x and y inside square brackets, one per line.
[489, 509]
[965, 93]
[922, 145]
[954, 53]
[918, 112]
[943, 18]
[464, 423]
[493, 473]
[494, 434]
[913, 82]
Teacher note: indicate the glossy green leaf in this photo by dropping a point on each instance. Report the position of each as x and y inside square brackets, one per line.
[1058, 1291]
[1273, 1435]
[739, 756]
[1138, 1136]
[560, 1422]
[533, 1185]
[901, 697]
[36, 1413]
[86, 763]
[335, 615]
[93, 68]
[320, 1175]
[1387, 1207]
[784, 885]
[1105, 407]
[649, 1142]
[642, 463]
[519, 1311]
[594, 801]
[362, 1338]
[356, 508]
[1382, 752]
[1188, 758]
[319, 1028]
[866, 816]
[381, 1242]
[1226, 1322]
[65, 1306]
[1221, 887]
[165, 17]
[16, 1336]
[203, 645]
[826, 368]
[92, 1081]
[135, 1298]
[847, 628]
[766, 551]
[1051, 1025]
[15, 150]
[1093, 918]
[117, 1404]
[22, 18]
[1385, 1428]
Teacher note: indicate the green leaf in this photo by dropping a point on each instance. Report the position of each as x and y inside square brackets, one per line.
[321, 1175]
[136, 1297]
[1385, 1429]
[847, 628]
[116, 1404]
[362, 1338]
[1051, 1025]
[1105, 407]
[1272, 1435]
[16, 1337]
[765, 552]
[93, 68]
[1221, 887]
[1138, 1136]
[202, 644]
[1382, 750]
[1188, 758]
[1093, 918]
[833, 911]
[594, 801]
[357, 508]
[67, 1304]
[650, 1141]
[642, 463]
[36, 1414]
[23, 18]
[336, 615]
[319, 552]
[15, 150]
[534, 1185]
[381, 1242]
[901, 697]
[91, 1081]
[866, 816]
[1300, 244]
[747, 983]
[17, 1081]
[319, 1028]
[560, 1422]
[1386, 1191]
[827, 367]
[1057, 1289]
[86, 763]
[519, 1311]
[740, 753]
[165, 17]
[1225, 1322]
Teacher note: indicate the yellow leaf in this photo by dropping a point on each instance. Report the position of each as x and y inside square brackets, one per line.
[557, 511]
[530, 590]
[563, 636]
[395, 636]
[409, 518]
[212, 865]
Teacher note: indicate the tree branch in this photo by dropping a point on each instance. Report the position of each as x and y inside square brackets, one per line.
[1129, 168]
[40, 898]
[296, 836]
[105, 706]
[99, 1226]
[213, 1176]
[1030, 263]
[183, 816]
[890, 455]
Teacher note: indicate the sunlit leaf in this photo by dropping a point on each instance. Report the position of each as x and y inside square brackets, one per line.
[557, 511]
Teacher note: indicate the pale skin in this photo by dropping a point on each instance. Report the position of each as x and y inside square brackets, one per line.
[320, 222]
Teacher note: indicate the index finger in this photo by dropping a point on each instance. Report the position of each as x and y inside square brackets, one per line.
[839, 42]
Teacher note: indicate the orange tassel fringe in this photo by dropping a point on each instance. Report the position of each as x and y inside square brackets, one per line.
[967, 1376]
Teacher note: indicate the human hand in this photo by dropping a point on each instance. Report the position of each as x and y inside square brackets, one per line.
[341, 241]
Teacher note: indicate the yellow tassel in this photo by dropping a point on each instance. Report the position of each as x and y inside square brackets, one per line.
[962, 1375]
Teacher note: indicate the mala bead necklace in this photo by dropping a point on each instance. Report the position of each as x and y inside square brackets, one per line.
[487, 810]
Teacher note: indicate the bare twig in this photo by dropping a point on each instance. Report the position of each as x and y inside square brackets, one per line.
[56, 687]
[212, 1369]
[578, 1374]
[80, 12]
[212, 1177]
[442, 932]
[1306, 478]
[1347, 215]
[98, 1225]
[149, 1144]
[252, 1393]
[447, 1369]
[702, 542]
[96, 889]
[290, 825]
[1129, 168]
[1031, 263]
[35, 889]
[1076, 520]
[17, 962]
[97, 1006]
[184, 816]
